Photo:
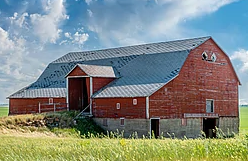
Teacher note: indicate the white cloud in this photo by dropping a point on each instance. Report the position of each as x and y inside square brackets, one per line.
[46, 26]
[77, 38]
[243, 102]
[88, 1]
[131, 21]
[18, 20]
[241, 55]
[12, 70]
[68, 35]
[90, 13]
[80, 38]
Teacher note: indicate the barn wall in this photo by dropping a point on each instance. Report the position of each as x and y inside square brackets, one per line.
[99, 82]
[229, 124]
[141, 126]
[31, 105]
[174, 128]
[168, 127]
[106, 107]
[197, 81]
[77, 72]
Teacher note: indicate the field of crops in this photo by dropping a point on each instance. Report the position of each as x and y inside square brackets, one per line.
[4, 111]
[33, 146]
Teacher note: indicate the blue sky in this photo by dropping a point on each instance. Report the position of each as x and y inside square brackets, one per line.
[33, 33]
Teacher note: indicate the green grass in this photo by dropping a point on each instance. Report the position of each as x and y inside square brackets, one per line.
[243, 119]
[4, 111]
[34, 146]
[45, 148]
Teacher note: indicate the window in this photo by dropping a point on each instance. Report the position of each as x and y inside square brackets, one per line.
[204, 56]
[122, 121]
[213, 57]
[105, 122]
[184, 122]
[50, 101]
[209, 106]
[134, 101]
[118, 106]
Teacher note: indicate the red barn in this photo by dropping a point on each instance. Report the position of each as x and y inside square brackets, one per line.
[181, 87]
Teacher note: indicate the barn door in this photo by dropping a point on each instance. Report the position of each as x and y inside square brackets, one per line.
[209, 125]
[155, 127]
[85, 102]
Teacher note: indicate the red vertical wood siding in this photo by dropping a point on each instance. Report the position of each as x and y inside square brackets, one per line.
[99, 82]
[31, 105]
[199, 80]
[77, 72]
[106, 107]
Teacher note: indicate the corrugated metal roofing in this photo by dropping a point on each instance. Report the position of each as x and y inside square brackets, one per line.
[40, 93]
[170, 46]
[98, 70]
[129, 62]
[145, 75]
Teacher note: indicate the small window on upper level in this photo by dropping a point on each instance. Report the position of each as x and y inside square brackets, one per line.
[118, 106]
[204, 56]
[50, 101]
[135, 101]
[209, 106]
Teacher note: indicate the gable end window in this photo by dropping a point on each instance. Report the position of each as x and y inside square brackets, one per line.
[209, 106]
[204, 56]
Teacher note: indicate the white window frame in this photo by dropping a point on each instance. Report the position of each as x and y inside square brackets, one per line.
[212, 109]
[135, 101]
[122, 119]
[118, 106]
[206, 54]
[50, 101]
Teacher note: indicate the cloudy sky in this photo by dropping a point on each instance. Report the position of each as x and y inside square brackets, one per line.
[36, 32]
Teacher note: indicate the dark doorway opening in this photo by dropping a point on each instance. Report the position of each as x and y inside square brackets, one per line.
[155, 127]
[78, 94]
[209, 125]
[85, 102]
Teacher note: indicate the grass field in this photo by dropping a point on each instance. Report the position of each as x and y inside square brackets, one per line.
[47, 148]
[37, 146]
[243, 119]
[4, 111]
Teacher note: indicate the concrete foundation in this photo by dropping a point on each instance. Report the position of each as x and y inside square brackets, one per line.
[179, 128]
[229, 125]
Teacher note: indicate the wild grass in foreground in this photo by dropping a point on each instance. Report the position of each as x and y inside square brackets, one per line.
[46, 148]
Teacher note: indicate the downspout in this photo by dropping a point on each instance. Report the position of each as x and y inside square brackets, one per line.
[67, 93]
[147, 107]
[91, 92]
[147, 115]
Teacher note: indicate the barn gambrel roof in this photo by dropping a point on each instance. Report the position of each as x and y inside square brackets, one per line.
[143, 69]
